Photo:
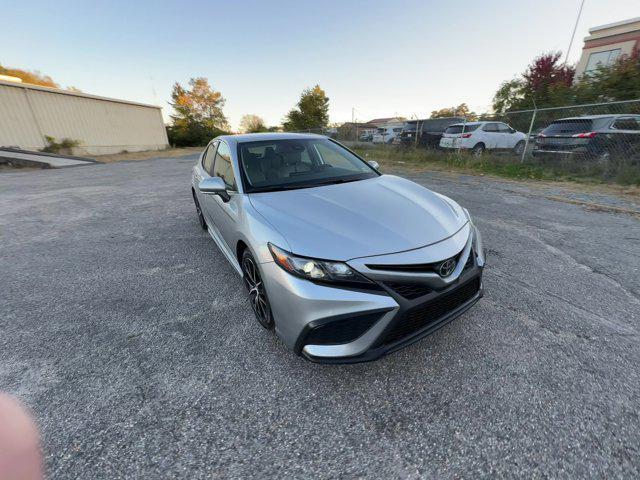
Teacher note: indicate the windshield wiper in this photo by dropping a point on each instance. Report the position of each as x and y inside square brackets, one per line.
[297, 186]
[277, 188]
[338, 180]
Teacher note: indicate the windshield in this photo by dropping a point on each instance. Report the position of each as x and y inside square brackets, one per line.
[570, 127]
[455, 129]
[299, 163]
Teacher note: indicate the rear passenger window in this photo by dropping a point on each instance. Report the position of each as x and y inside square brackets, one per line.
[626, 123]
[223, 168]
[209, 155]
[491, 127]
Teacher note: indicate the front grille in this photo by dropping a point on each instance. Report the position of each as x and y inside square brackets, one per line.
[409, 267]
[341, 331]
[419, 267]
[408, 290]
[429, 313]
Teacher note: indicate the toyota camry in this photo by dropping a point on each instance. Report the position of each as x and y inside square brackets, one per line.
[344, 263]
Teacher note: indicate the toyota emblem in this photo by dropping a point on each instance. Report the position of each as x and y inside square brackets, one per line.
[447, 267]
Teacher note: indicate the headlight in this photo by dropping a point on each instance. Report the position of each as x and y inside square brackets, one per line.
[324, 271]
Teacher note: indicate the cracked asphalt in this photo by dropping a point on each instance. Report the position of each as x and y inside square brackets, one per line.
[127, 334]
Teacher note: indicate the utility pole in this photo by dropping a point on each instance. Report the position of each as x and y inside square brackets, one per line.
[573, 34]
[353, 116]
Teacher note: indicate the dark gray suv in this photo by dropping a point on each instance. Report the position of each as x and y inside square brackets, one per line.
[592, 136]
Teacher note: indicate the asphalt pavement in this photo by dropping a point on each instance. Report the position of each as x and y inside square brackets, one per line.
[125, 331]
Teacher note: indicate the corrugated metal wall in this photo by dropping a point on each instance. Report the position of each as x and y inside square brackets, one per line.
[28, 113]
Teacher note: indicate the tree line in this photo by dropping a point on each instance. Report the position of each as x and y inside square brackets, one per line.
[547, 82]
[198, 116]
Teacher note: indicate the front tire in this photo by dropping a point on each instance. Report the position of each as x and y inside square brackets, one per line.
[256, 290]
[519, 148]
[201, 220]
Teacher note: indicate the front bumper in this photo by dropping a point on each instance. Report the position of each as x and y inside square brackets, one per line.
[338, 325]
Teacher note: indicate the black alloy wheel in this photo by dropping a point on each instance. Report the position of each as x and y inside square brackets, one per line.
[257, 293]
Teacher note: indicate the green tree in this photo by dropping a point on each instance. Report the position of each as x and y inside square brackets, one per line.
[252, 124]
[619, 81]
[461, 110]
[198, 115]
[312, 111]
[509, 96]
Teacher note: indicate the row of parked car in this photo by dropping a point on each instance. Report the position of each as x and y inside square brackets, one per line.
[591, 135]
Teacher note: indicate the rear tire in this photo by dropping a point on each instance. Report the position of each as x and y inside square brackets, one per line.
[478, 149]
[257, 292]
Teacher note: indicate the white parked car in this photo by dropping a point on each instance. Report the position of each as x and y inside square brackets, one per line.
[481, 136]
[386, 135]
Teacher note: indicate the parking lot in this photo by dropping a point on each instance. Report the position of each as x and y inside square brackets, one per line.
[127, 333]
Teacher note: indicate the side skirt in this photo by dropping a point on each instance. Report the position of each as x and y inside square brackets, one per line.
[231, 258]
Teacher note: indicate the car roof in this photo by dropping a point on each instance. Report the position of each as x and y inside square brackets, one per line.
[595, 117]
[264, 137]
[473, 123]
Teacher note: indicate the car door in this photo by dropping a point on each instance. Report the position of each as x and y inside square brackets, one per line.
[624, 136]
[490, 135]
[507, 138]
[203, 170]
[224, 214]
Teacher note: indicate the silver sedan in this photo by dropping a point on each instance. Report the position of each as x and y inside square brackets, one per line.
[344, 263]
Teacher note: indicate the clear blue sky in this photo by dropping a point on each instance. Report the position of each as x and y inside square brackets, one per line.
[383, 58]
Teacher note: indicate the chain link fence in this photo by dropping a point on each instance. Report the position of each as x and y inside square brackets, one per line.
[600, 139]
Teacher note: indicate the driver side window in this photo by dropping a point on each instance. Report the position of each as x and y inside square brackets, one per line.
[223, 168]
[207, 160]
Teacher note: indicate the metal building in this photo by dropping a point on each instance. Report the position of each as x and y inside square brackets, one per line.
[102, 125]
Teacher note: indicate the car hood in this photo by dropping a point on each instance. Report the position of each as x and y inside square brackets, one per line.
[381, 215]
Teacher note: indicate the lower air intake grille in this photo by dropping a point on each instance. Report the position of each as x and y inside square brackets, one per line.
[426, 314]
[341, 331]
[408, 290]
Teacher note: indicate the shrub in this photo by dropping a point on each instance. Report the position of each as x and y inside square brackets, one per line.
[191, 135]
[66, 144]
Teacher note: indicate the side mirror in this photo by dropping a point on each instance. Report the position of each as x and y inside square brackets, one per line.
[214, 186]
[373, 164]
[513, 131]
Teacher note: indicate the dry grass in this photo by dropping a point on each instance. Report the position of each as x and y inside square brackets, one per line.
[172, 152]
[504, 166]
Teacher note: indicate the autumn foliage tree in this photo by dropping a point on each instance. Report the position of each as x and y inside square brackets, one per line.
[33, 78]
[546, 82]
[311, 112]
[198, 115]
